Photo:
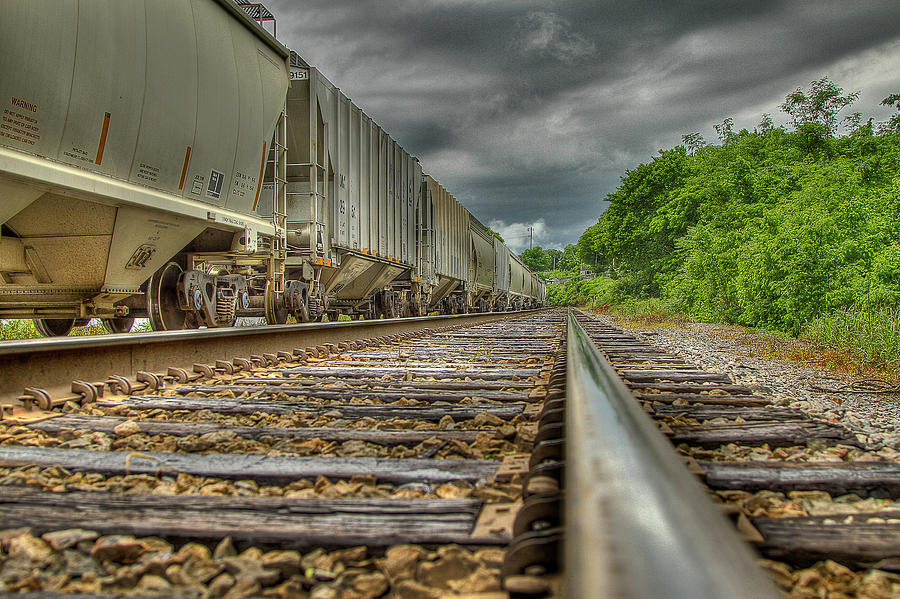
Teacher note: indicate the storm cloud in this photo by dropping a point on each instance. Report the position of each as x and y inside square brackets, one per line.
[529, 112]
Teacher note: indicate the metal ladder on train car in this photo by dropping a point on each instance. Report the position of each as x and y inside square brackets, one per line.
[279, 206]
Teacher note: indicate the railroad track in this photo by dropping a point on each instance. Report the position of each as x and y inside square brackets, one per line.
[431, 465]
[818, 504]
[391, 464]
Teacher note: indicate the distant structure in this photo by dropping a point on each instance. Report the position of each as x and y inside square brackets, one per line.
[586, 273]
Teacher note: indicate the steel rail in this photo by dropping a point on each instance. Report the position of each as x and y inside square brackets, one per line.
[52, 364]
[638, 524]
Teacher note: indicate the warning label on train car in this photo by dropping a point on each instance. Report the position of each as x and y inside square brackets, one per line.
[19, 123]
[214, 189]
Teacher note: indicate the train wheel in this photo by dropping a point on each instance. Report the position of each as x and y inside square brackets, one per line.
[162, 299]
[276, 313]
[118, 325]
[54, 327]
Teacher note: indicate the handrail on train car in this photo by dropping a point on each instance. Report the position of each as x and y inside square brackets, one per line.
[638, 524]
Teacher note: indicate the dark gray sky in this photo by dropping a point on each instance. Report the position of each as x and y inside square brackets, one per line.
[529, 111]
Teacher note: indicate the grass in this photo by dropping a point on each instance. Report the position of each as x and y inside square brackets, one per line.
[871, 335]
[645, 313]
[24, 329]
[812, 353]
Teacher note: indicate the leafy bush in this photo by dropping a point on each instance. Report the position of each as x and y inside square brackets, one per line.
[596, 292]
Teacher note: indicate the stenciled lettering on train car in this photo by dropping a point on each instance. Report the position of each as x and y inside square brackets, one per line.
[19, 103]
[141, 257]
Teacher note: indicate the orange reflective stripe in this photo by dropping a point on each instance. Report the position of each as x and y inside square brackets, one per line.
[103, 134]
[184, 167]
[262, 171]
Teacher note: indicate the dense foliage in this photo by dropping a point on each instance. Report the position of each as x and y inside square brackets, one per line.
[771, 228]
[544, 261]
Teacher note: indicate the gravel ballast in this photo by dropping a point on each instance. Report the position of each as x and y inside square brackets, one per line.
[874, 417]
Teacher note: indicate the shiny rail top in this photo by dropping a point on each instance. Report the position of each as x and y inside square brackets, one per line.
[638, 524]
[52, 364]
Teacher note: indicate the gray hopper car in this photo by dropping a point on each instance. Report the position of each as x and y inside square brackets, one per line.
[123, 196]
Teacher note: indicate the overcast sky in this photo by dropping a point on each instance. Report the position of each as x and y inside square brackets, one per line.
[529, 112]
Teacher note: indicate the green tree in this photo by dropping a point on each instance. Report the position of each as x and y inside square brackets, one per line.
[495, 234]
[893, 124]
[588, 248]
[817, 106]
[536, 259]
[569, 260]
[554, 255]
[725, 130]
[765, 124]
[693, 142]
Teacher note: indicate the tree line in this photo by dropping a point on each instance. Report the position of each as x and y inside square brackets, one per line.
[771, 227]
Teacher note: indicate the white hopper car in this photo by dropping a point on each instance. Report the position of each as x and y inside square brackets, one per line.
[172, 160]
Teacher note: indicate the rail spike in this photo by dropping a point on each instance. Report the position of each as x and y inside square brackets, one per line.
[34, 395]
[204, 370]
[179, 374]
[153, 381]
[88, 391]
[119, 384]
[225, 366]
[242, 364]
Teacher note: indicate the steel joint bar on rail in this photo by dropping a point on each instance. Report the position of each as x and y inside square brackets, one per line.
[52, 364]
[638, 525]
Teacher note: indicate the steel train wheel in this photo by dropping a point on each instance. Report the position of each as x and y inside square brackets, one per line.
[54, 327]
[276, 313]
[162, 299]
[118, 325]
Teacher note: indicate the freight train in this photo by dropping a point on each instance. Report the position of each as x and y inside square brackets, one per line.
[172, 160]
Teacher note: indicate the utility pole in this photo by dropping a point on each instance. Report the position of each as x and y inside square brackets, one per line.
[530, 237]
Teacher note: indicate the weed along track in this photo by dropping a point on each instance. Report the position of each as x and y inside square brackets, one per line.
[819, 505]
[389, 466]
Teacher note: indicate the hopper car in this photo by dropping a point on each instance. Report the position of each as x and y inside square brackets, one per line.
[173, 161]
